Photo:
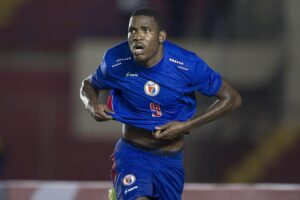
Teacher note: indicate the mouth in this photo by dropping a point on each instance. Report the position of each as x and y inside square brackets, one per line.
[138, 49]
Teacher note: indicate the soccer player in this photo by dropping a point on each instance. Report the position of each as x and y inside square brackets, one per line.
[153, 84]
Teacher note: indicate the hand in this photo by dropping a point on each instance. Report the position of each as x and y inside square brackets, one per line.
[99, 112]
[170, 131]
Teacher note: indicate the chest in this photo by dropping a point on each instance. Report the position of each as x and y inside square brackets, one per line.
[162, 87]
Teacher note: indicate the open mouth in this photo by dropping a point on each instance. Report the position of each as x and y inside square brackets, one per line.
[138, 49]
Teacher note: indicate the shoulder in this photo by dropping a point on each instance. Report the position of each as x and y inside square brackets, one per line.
[184, 56]
[117, 52]
[176, 51]
[184, 59]
[116, 56]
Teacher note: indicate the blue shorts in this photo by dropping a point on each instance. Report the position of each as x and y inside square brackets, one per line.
[139, 172]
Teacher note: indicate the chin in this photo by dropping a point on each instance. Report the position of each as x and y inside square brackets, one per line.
[139, 59]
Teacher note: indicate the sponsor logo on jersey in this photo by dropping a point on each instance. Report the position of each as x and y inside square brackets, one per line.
[175, 61]
[129, 179]
[130, 189]
[179, 64]
[120, 61]
[151, 88]
[184, 68]
[117, 64]
[123, 59]
[131, 74]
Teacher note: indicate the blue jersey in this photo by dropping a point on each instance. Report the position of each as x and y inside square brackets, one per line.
[149, 97]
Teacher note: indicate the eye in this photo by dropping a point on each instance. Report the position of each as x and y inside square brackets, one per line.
[147, 30]
[131, 31]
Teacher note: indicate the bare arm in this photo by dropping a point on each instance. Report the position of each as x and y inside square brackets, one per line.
[228, 99]
[89, 97]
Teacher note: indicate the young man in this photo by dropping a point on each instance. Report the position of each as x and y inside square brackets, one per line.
[152, 83]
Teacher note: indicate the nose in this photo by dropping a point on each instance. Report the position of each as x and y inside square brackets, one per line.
[138, 35]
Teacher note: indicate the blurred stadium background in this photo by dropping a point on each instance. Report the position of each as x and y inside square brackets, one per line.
[48, 47]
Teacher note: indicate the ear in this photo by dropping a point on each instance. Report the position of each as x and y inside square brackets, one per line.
[162, 36]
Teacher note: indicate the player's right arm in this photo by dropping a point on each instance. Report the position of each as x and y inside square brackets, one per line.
[89, 97]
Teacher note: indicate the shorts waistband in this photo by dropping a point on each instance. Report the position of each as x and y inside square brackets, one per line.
[150, 150]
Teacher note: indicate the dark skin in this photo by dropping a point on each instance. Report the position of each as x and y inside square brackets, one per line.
[145, 40]
[143, 31]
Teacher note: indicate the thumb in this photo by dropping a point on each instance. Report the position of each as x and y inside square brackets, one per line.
[162, 127]
[157, 134]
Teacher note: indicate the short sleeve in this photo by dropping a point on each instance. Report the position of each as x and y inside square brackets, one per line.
[101, 79]
[206, 80]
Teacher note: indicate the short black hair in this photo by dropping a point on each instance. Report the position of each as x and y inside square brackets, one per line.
[152, 13]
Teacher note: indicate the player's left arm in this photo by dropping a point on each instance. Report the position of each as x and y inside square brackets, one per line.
[228, 99]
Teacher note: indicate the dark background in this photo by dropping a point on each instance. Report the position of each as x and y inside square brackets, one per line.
[258, 143]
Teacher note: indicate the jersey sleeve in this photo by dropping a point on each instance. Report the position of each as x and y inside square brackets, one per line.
[101, 78]
[206, 80]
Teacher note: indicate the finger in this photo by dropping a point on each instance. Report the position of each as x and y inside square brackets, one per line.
[158, 128]
[107, 117]
[102, 112]
[108, 110]
[103, 115]
[157, 134]
[160, 135]
[163, 127]
[98, 119]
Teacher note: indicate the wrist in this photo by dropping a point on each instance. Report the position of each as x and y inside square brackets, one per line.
[188, 125]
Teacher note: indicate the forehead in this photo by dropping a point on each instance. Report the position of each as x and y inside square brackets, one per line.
[142, 20]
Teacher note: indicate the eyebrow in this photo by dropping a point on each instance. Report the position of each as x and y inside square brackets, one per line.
[135, 28]
[145, 26]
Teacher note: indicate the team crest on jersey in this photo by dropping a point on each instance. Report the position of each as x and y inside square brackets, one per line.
[129, 179]
[151, 88]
